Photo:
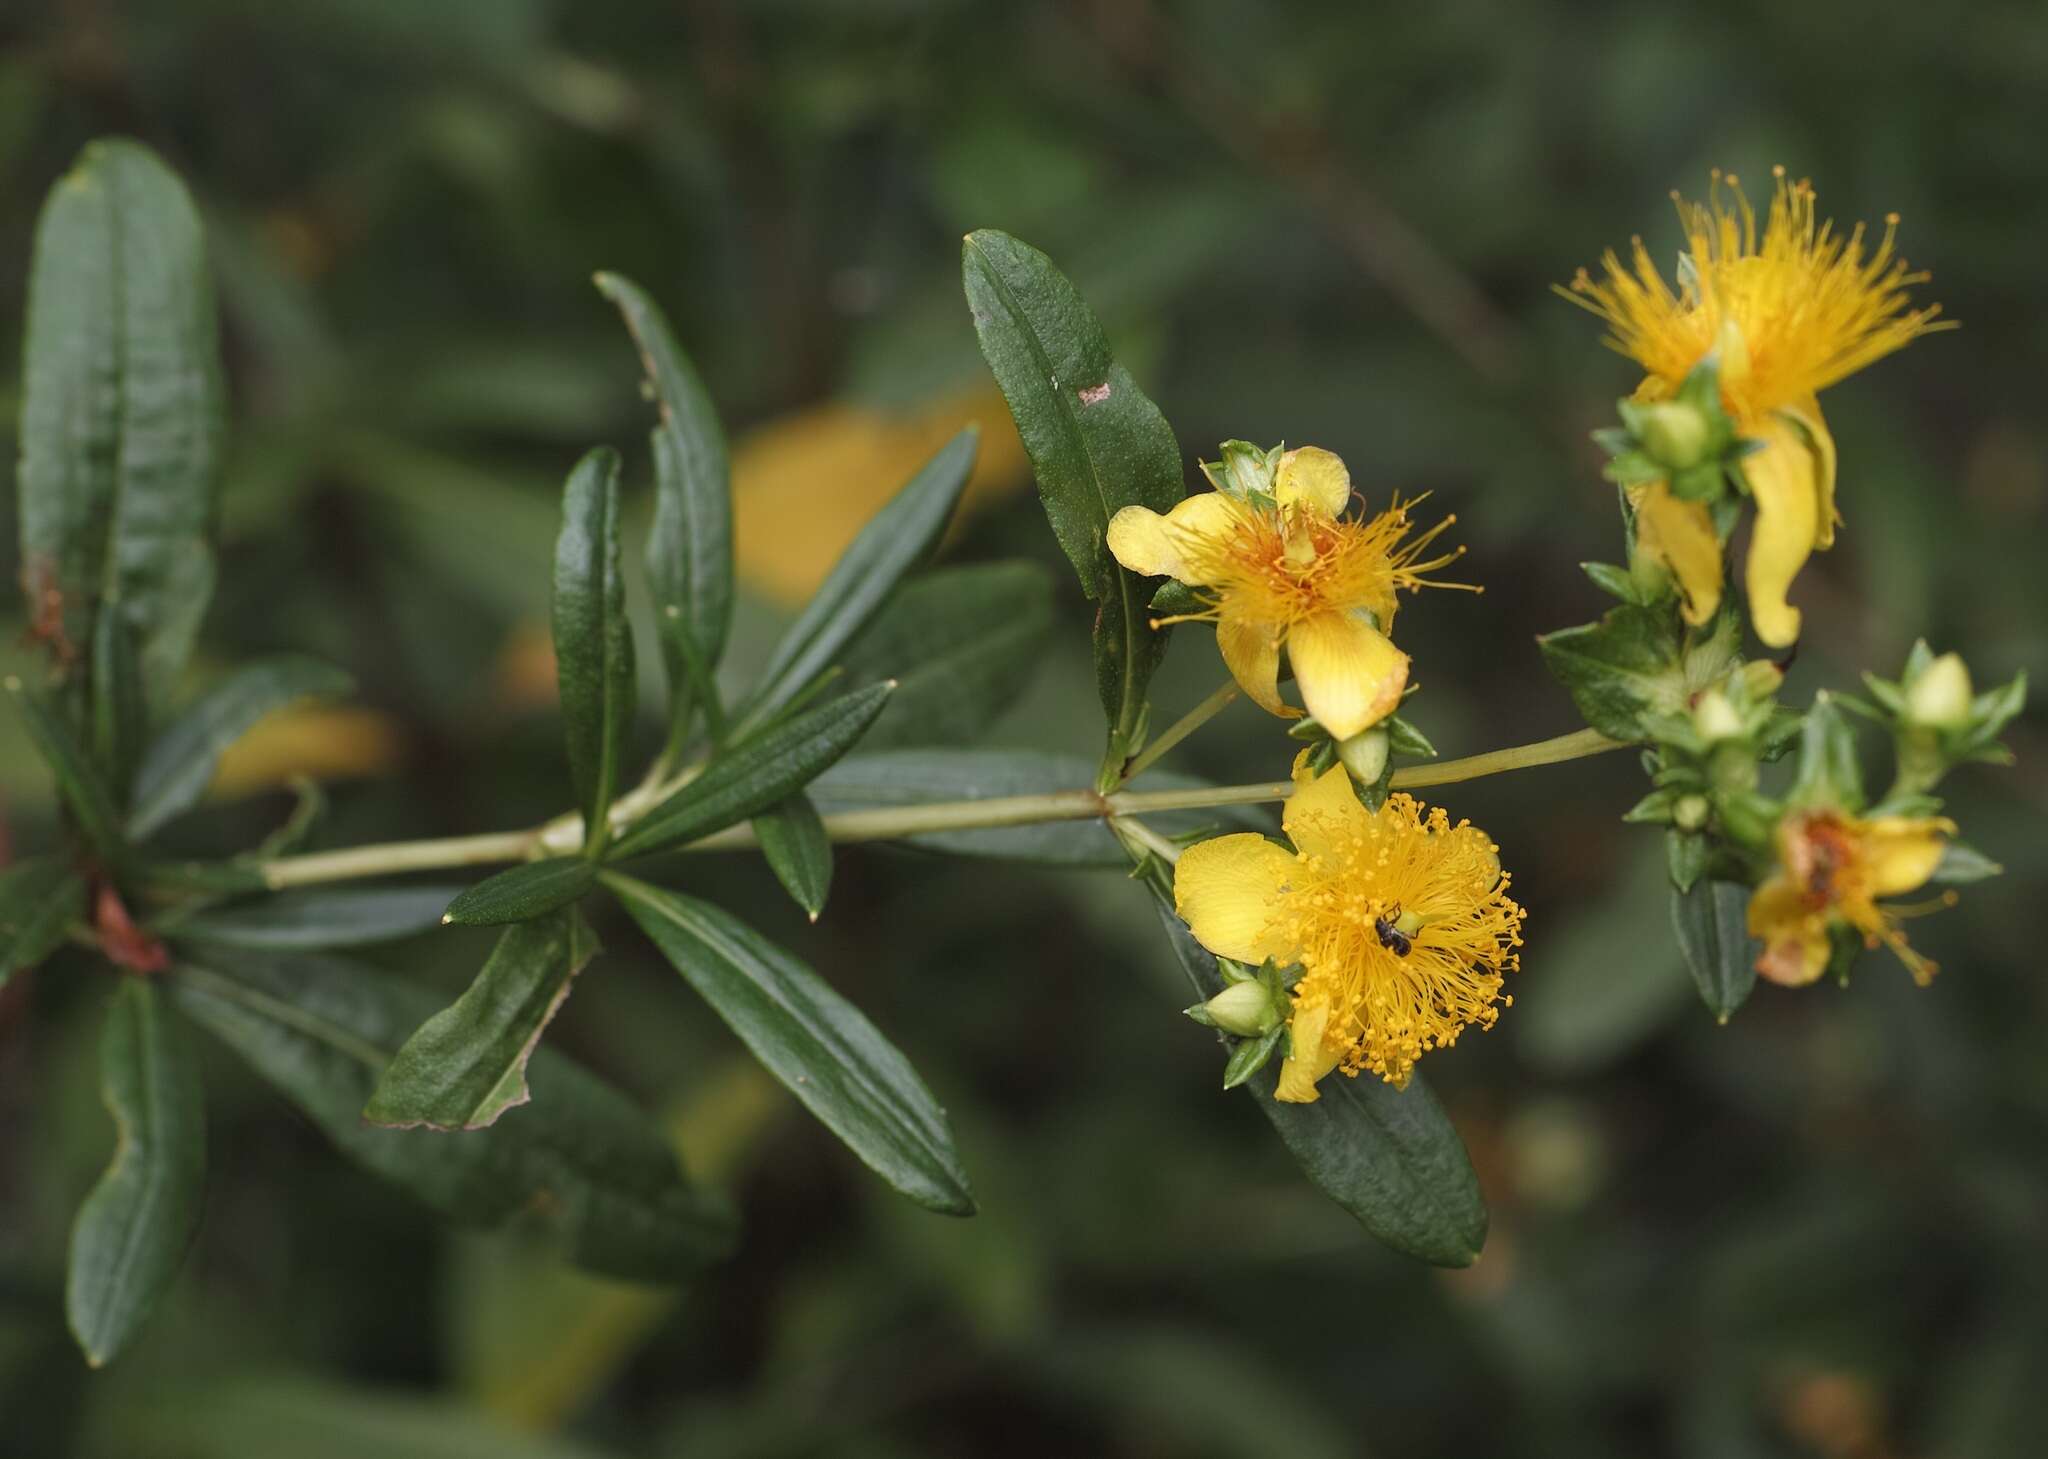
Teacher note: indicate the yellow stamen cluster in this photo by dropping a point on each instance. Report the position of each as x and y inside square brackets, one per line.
[1808, 306]
[1285, 566]
[1384, 1008]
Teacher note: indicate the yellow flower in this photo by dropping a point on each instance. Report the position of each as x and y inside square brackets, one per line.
[1400, 921]
[1296, 575]
[1832, 868]
[1791, 312]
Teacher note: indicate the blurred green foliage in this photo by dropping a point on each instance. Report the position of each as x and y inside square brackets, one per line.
[1814, 1232]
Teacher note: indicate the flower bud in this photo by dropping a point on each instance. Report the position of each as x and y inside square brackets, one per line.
[1365, 755]
[1715, 718]
[1689, 812]
[1674, 434]
[1245, 1009]
[1940, 697]
[1761, 678]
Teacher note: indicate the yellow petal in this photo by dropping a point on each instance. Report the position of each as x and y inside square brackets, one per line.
[1680, 534]
[1317, 477]
[1902, 852]
[1794, 937]
[1252, 653]
[1350, 673]
[1228, 891]
[1807, 414]
[1323, 814]
[1139, 538]
[1783, 477]
[1308, 1060]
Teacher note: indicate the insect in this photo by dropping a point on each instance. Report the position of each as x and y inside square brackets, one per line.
[1392, 938]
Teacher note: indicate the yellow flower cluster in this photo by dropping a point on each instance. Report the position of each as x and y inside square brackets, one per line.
[1791, 308]
[1400, 921]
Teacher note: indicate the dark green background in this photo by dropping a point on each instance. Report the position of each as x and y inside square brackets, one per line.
[1815, 1232]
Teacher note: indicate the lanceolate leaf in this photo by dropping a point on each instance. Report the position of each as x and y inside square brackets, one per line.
[1711, 921]
[962, 643]
[180, 762]
[467, 1064]
[39, 898]
[121, 409]
[532, 890]
[78, 780]
[898, 538]
[320, 917]
[750, 777]
[689, 551]
[1096, 442]
[593, 641]
[583, 1161]
[1390, 1157]
[794, 842]
[819, 1045]
[118, 714]
[133, 1229]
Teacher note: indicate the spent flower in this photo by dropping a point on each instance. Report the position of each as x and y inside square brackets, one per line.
[1832, 868]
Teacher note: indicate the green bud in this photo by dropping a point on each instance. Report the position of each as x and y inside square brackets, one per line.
[1245, 470]
[1365, 755]
[1716, 719]
[1761, 678]
[1674, 434]
[1245, 1009]
[1689, 812]
[1940, 697]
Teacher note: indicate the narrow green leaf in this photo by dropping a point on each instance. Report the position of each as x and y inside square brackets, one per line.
[689, 550]
[118, 714]
[1391, 1157]
[179, 762]
[1964, 864]
[898, 778]
[319, 917]
[1711, 921]
[583, 1162]
[593, 640]
[1828, 773]
[798, 850]
[524, 892]
[819, 1045]
[467, 1064]
[39, 899]
[901, 535]
[962, 643]
[748, 778]
[1096, 443]
[121, 409]
[78, 782]
[133, 1230]
[1615, 581]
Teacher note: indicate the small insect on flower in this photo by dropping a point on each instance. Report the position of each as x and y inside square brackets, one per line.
[1289, 571]
[1832, 868]
[1400, 921]
[1791, 310]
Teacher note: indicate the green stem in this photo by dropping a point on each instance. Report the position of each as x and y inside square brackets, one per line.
[1186, 725]
[563, 835]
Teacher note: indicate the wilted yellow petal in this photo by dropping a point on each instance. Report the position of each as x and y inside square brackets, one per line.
[1308, 1058]
[1228, 889]
[1323, 816]
[1794, 936]
[1350, 673]
[1902, 852]
[1680, 534]
[319, 742]
[1784, 478]
[1311, 475]
[1141, 540]
[805, 484]
[1251, 651]
[1806, 414]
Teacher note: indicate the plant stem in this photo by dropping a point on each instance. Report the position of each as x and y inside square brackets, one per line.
[1137, 836]
[563, 835]
[1186, 725]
